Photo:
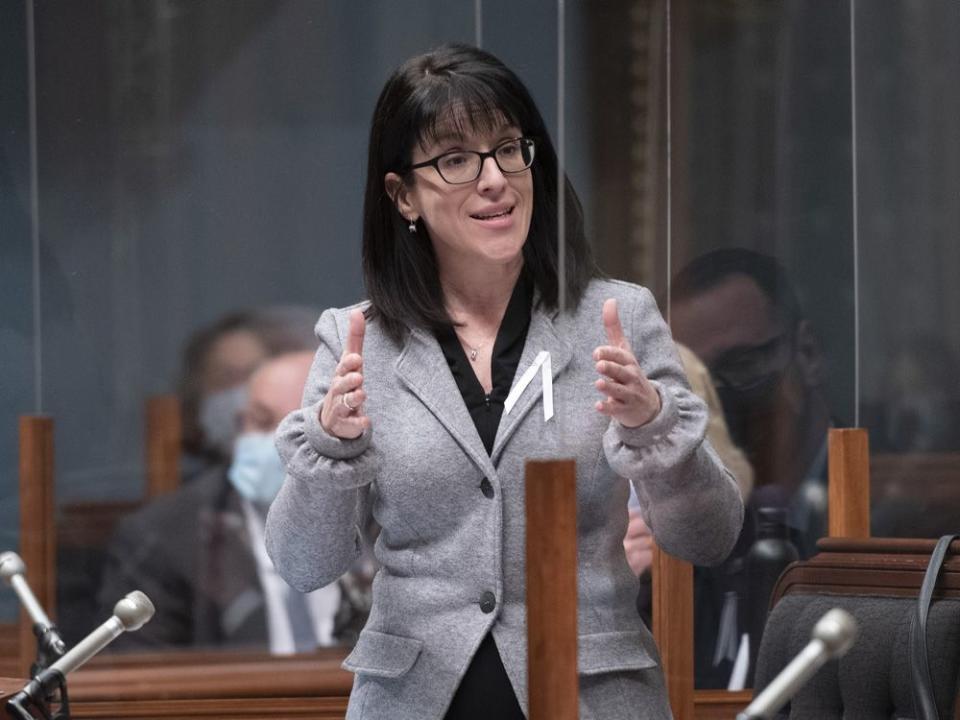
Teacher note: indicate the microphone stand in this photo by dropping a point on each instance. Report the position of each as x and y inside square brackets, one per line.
[49, 686]
[35, 700]
[50, 647]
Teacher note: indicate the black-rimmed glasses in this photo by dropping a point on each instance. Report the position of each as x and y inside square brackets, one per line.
[464, 166]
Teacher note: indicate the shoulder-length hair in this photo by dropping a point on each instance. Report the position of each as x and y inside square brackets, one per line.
[467, 89]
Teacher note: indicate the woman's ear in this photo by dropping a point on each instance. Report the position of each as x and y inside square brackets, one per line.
[398, 191]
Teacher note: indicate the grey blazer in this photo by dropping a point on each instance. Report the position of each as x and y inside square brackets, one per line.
[451, 555]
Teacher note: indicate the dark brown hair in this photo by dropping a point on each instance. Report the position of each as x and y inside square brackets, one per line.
[472, 90]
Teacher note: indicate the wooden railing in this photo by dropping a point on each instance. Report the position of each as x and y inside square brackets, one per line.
[318, 688]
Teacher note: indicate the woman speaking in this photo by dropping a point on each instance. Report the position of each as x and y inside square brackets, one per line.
[420, 410]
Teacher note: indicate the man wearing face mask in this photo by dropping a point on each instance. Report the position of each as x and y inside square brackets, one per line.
[737, 311]
[217, 361]
[199, 553]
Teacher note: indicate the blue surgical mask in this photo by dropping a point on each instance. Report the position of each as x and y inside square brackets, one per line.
[257, 471]
[219, 417]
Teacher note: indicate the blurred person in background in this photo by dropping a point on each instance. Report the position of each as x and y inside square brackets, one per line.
[217, 361]
[199, 552]
[737, 311]
[638, 543]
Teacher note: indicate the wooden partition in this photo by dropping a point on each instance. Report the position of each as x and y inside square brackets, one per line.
[188, 685]
[673, 628]
[551, 510]
[849, 483]
[163, 439]
[38, 535]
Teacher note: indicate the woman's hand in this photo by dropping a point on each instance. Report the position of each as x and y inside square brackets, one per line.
[631, 399]
[342, 412]
[638, 544]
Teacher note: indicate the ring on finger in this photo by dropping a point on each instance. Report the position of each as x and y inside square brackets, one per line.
[343, 399]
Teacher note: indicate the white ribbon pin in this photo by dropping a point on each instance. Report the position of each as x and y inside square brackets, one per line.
[541, 363]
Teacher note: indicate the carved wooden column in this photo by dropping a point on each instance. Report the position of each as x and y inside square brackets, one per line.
[552, 589]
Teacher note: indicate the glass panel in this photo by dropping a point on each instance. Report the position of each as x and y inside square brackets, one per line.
[907, 102]
[201, 175]
[762, 280]
[16, 273]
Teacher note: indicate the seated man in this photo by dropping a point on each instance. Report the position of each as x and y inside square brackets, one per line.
[198, 553]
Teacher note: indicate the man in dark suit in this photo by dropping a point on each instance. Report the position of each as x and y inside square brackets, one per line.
[198, 553]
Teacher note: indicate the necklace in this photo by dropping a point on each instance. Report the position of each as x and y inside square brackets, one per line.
[473, 351]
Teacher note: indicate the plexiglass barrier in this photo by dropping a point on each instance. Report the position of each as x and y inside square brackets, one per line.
[181, 194]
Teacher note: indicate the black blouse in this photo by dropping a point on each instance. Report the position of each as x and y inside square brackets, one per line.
[507, 348]
[485, 691]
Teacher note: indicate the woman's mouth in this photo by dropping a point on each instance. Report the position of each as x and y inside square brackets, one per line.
[495, 217]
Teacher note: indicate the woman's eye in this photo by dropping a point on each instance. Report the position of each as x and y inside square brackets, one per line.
[508, 150]
[454, 161]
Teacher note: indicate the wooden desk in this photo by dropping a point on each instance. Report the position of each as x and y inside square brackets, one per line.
[184, 686]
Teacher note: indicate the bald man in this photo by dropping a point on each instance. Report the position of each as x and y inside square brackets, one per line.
[198, 553]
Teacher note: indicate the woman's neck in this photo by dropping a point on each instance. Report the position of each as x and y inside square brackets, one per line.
[479, 293]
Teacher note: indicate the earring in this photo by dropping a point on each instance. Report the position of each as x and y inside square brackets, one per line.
[412, 227]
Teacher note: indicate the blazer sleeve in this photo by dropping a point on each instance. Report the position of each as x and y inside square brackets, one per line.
[313, 530]
[690, 501]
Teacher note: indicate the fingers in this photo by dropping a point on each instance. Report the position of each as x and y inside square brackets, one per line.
[342, 412]
[355, 336]
[346, 383]
[611, 323]
[619, 372]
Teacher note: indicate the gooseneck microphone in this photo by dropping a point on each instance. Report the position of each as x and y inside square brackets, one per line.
[50, 644]
[129, 614]
[832, 637]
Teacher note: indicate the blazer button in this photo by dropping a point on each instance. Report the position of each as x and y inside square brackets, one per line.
[486, 488]
[488, 601]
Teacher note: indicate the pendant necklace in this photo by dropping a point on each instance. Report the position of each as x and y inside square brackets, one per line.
[473, 351]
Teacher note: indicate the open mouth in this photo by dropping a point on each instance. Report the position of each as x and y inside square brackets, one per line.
[491, 216]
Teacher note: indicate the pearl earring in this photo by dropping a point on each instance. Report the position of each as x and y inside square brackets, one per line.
[412, 227]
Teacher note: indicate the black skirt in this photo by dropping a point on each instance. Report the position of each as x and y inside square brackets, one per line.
[485, 691]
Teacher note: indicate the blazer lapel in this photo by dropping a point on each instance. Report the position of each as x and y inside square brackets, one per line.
[541, 335]
[423, 369]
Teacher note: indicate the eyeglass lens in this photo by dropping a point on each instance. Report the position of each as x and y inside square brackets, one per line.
[511, 157]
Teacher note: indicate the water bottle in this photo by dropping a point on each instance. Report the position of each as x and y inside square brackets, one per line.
[766, 560]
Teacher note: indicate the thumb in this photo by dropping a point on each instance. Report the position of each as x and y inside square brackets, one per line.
[611, 323]
[357, 328]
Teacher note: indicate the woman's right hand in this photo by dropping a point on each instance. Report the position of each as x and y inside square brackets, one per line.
[342, 412]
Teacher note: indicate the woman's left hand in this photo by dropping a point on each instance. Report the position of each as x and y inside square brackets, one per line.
[631, 399]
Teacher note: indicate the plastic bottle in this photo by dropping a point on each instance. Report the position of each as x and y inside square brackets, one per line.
[766, 560]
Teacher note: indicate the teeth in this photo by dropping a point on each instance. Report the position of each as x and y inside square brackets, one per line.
[499, 214]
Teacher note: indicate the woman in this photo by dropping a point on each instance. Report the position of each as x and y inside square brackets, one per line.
[404, 415]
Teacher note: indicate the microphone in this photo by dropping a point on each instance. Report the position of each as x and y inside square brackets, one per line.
[129, 614]
[832, 637]
[51, 645]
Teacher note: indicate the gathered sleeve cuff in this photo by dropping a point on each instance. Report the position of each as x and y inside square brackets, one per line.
[690, 501]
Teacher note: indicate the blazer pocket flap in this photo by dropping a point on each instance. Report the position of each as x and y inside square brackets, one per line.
[382, 655]
[611, 652]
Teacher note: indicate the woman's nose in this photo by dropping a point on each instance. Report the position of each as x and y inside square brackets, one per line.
[491, 177]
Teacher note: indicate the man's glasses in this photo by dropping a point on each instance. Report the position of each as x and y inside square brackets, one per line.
[748, 368]
[464, 166]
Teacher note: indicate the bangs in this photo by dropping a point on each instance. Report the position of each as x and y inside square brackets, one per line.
[457, 106]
